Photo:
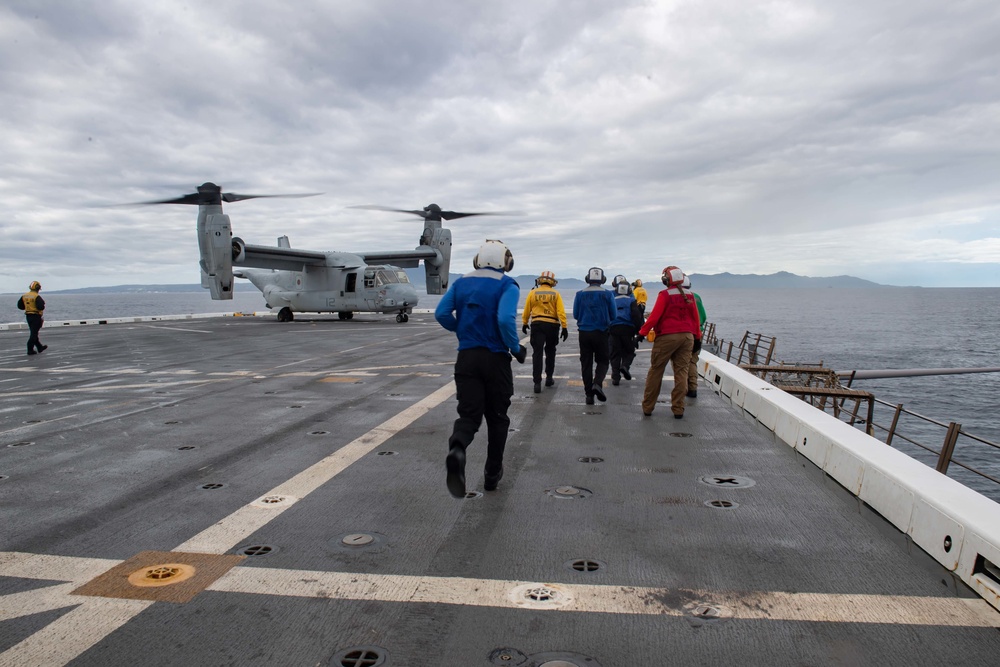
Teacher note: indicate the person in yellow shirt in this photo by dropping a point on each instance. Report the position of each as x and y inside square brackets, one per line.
[639, 292]
[545, 311]
[33, 304]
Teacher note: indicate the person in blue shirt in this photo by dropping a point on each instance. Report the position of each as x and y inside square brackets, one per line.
[481, 308]
[628, 319]
[593, 310]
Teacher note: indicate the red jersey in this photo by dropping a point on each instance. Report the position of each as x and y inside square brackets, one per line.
[675, 312]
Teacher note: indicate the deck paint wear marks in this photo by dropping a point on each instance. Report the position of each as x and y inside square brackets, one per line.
[235, 528]
[628, 600]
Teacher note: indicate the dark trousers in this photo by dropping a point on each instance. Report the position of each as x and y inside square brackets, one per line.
[544, 337]
[34, 326]
[622, 349]
[593, 349]
[483, 385]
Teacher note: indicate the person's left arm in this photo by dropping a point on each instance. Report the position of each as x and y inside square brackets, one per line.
[561, 310]
[696, 319]
[507, 316]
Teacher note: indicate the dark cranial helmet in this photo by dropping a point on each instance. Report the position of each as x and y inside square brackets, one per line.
[595, 276]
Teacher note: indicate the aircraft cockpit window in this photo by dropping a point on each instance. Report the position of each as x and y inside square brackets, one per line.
[369, 278]
[385, 277]
[403, 278]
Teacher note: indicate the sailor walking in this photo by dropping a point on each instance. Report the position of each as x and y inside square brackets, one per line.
[674, 321]
[593, 310]
[628, 319]
[692, 385]
[481, 308]
[33, 304]
[544, 310]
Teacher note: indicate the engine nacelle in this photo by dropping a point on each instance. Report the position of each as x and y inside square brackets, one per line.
[216, 245]
[239, 250]
[436, 271]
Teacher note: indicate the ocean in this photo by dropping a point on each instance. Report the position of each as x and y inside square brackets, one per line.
[845, 329]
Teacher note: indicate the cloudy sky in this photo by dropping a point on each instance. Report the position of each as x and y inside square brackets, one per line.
[822, 138]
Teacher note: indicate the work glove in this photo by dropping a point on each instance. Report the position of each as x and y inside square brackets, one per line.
[521, 354]
[639, 339]
[524, 329]
[697, 345]
[565, 334]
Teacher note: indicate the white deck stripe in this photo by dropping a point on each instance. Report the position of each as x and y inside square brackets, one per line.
[230, 531]
[629, 600]
[157, 385]
[73, 633]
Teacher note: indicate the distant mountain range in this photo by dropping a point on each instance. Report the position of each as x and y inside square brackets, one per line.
[782, 279]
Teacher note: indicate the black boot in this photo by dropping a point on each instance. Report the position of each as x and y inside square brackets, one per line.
[455, 465]
[490, 482]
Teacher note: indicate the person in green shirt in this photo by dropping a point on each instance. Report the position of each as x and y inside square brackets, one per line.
[692, 391]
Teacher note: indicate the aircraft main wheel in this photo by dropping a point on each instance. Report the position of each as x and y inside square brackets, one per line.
[343, 316]
[285, 315]
[399, 318]
[350, 316]
[406, 318]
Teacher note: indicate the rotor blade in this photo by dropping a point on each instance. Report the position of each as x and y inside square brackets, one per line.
[232, 196]
[186, 199]
[373, 207]
[453, 215]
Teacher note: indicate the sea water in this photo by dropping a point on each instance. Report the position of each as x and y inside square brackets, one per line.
[845, 329]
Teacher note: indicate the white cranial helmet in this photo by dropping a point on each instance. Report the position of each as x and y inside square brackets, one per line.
[495, 255]
[686, 283]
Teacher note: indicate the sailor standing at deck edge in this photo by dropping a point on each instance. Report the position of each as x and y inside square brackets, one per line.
[481, 308]
[33, 304]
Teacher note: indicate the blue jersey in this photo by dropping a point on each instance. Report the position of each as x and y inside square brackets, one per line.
[623, 313]
[594, 308]
[481, 308]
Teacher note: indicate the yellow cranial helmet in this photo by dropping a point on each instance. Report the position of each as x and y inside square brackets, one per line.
[547, 278]
[35, 286]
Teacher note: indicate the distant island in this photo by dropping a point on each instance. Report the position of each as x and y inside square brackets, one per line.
[782, 279]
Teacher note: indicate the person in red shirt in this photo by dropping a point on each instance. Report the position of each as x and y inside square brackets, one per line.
[674, 320]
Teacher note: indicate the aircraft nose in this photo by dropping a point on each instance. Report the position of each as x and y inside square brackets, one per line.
[408, 293]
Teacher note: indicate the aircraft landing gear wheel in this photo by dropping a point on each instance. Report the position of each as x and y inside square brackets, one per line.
[406, 317]
[399, 318]
[343, 316]
[350, 316]
[285, 315]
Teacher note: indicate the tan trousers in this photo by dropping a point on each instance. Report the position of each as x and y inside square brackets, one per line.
[693, 371]
[676, 349]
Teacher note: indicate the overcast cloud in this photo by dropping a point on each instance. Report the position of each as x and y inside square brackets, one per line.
[821, 138]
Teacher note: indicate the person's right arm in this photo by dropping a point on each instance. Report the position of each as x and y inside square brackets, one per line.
[444, 313]
[654, 316]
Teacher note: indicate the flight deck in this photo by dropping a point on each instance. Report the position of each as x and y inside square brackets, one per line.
[239, 491]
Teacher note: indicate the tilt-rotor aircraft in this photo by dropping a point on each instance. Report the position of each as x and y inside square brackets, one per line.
[294, 280]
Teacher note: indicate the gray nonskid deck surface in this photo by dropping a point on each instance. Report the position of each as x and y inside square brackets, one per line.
[799, 575]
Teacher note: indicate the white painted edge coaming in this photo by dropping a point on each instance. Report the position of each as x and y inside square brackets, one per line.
[933, 509]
